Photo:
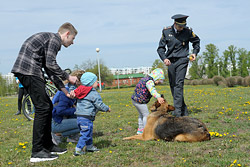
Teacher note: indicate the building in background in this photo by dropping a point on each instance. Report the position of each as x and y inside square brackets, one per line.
[129, 70]
[10, 78]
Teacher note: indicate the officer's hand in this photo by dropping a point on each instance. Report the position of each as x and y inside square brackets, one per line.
[192, 57]
[167, 62]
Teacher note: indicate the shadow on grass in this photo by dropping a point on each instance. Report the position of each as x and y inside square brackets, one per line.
[194, 110]
[104, 144]
[97, 134]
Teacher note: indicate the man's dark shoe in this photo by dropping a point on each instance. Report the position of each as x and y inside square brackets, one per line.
[57, 150]
[43, 155]
[18, 112]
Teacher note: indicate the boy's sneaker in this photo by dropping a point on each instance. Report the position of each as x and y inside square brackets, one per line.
[43, 155]
[56, 139]
[57, 150]
[92, 149]
[139, 131]
[77, 153]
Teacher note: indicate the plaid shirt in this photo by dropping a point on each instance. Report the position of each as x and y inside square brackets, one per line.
[37, 52]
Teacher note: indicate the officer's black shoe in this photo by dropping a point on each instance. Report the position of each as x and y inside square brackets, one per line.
[18, 112]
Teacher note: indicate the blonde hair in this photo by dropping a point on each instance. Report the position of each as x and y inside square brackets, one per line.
[67, 27]
[78, 73]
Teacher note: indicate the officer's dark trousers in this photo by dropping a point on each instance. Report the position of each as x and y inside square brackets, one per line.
[43, 111]
[176, 73]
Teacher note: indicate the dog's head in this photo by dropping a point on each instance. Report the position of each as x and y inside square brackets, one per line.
[164, 107]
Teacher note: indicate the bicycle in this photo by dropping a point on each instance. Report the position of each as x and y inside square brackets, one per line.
[27, 105]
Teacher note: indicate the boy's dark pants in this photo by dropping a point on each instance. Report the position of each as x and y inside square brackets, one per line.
[35, 86]
[176, 73]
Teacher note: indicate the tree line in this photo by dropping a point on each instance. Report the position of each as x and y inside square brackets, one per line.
[233, 62]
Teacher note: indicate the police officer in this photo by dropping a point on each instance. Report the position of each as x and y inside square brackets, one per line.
[177, 38]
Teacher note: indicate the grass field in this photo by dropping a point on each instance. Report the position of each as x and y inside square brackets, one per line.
[225, 111]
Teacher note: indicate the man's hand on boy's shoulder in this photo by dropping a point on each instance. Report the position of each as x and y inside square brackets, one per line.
[109, 110]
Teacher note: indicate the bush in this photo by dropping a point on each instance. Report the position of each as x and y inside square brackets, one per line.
[210, 81]
[217, 79]
[207, 82]
[239, 80]
[247, 81]
[222, 84]
[187, 82]
[195, 82]
[231, 81]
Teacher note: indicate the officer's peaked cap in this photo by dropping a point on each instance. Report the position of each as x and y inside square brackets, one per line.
[180, 19]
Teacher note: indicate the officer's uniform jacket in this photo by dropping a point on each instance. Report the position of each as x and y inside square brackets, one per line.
[177, 43]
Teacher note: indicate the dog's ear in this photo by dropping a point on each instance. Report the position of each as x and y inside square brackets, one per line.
[153, 109]
[171, 108]
[162, 95]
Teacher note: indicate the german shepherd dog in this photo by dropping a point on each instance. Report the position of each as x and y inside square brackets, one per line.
[161, 125]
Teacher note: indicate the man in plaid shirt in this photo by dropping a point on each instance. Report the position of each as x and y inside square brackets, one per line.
[39, 52]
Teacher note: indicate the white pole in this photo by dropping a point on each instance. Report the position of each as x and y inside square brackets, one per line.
[118, 80]
[100, 82]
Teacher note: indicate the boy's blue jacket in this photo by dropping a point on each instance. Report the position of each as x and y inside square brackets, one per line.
[89, 105]
[63, 108]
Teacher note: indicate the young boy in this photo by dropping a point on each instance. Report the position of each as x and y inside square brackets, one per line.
[89, 102]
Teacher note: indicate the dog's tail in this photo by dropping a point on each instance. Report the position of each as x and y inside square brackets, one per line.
[138, 137]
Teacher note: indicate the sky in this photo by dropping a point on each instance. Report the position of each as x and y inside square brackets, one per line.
[126, 31]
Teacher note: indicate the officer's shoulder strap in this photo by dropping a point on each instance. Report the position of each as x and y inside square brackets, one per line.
[189, 28]
[166, 28]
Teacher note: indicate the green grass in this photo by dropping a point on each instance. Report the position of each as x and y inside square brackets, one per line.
[225, 111]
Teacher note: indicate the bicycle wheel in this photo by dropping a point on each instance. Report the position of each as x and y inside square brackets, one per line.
[28, 108]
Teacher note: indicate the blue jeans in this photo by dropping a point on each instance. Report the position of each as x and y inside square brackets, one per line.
[67, 127]
[86, 131]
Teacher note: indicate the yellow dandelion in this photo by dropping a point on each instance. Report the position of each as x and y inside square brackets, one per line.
[110, 152]
[230, 141]
[238, 164]
[9, 163]
[120, 128]
[235, 161]
[138, 143]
